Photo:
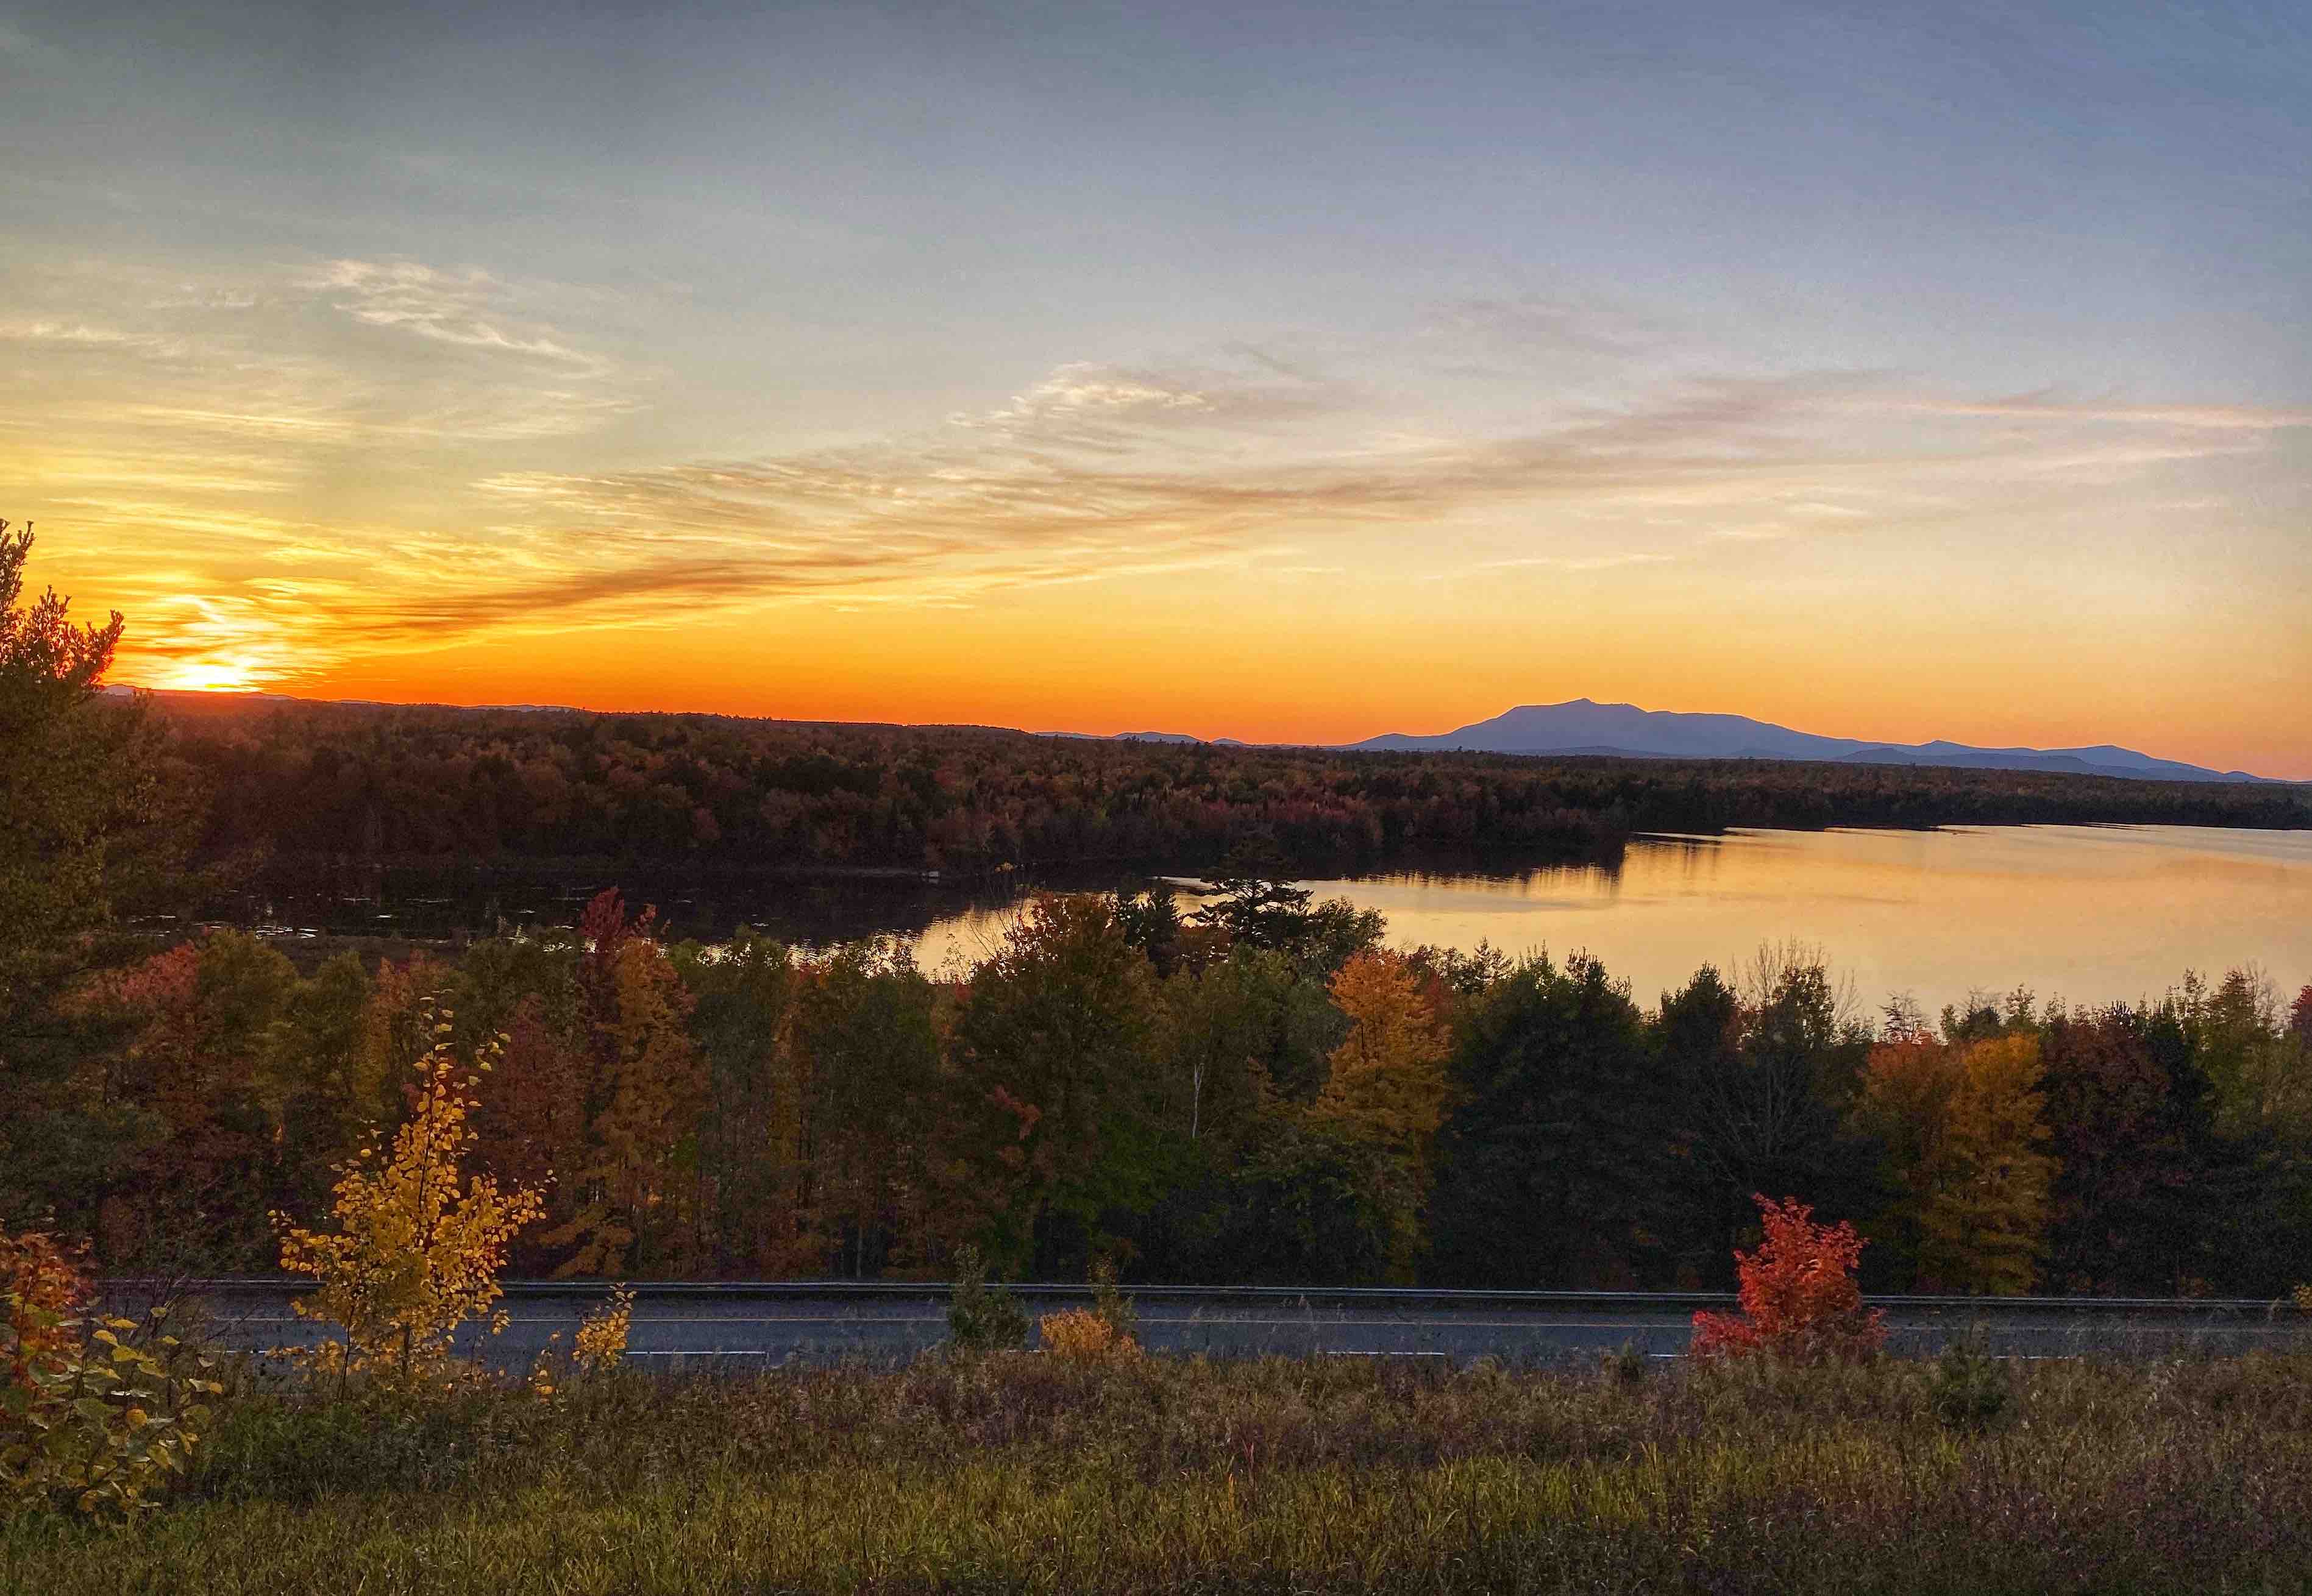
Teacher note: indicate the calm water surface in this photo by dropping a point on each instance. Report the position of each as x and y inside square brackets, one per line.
[2087, 913]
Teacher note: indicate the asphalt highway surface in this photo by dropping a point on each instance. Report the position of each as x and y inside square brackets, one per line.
[689, 1323]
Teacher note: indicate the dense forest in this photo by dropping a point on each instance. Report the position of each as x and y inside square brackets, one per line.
[1256, 1092]
[435, 785]
[1254, 1089]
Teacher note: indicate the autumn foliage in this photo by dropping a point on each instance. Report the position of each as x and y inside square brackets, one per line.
[1387, 1086]
[1078, 1335]
[1800, 1299]
[1965, 1135]
[96, 1414]
[418, 1244]
[42, 1295]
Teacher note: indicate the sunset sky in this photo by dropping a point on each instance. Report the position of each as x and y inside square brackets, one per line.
[1288, 373]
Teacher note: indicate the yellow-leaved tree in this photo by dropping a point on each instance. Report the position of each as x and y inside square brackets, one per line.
[1388, 1085]
[1986, 1225]
[1965, 1134]
[630, 1192]
[419, 1242]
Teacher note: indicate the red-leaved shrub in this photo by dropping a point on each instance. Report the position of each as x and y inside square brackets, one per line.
[42, 1295]
[1798, 1293]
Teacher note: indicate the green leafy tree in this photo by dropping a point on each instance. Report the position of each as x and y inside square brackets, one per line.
[1308, 1204]
[1553, 1165]
[1057, 1038]
[751, 1137]
[1229, 1033]
[866, 1025]
[67, 791]
[1761, 1077]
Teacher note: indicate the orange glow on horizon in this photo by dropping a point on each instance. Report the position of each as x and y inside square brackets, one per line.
[1283, 686]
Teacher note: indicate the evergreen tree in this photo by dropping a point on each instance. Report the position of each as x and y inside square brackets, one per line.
[94, 816]
[1554, 1166]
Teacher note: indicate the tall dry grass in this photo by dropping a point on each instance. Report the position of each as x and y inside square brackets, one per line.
[1018, 1473]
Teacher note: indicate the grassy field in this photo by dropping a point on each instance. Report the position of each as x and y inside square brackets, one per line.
[1022, 1473]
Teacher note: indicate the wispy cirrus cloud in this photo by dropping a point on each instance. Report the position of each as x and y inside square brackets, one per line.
[2052, 406]
[466, 309]
[1088, 405]
[1094, 473]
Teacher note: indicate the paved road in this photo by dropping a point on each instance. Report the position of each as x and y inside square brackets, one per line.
[692, 1322]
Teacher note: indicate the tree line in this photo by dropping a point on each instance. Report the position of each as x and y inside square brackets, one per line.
[377, 784]
[1255, 1090]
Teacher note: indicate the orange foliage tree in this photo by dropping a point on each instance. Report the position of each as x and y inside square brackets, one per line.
[1798, 1294]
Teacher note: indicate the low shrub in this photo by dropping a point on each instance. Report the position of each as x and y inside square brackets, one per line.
[44, 1295]
[981, 1317]
[1113, 1308]
[1800, 1301]
[1078, 1335]
[97, 1415]
[1970, 1389]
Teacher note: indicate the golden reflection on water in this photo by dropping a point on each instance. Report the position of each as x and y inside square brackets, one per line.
[2089, 914]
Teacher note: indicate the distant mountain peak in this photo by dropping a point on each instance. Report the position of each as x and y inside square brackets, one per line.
[1583, 725]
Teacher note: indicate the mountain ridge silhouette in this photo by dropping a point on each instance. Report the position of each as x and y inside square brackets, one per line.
[1582, 726]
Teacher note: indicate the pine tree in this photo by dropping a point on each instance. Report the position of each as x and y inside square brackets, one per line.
[1554, 1168]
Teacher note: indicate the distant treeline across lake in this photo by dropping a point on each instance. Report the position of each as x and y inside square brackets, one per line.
[437, 786]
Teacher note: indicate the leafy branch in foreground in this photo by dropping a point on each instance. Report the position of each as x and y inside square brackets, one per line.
[99, 1415]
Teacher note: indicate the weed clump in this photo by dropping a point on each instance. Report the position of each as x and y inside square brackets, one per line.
[980, 1317]
[1078, 1336]
[1106, 1332]
[1969, 1390]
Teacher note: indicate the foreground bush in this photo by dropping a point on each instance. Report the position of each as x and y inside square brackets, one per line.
[1016, 1471]
[1799, 1302]
[980, 1317]
[97, 1415]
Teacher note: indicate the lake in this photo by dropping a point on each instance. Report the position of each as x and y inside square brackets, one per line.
[2087, 913]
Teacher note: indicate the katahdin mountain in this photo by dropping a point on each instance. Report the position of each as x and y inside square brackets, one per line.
[1583, 727]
